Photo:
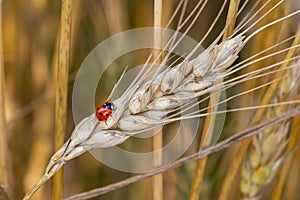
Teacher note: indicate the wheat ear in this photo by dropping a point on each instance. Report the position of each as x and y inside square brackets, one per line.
[157, 93]
[268, 149]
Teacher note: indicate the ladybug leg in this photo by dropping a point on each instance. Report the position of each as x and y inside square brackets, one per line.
[106, 120]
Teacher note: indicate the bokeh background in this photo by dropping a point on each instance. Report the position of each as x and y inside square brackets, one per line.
[30, 39]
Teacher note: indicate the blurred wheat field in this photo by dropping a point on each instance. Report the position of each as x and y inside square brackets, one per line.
[28, 77]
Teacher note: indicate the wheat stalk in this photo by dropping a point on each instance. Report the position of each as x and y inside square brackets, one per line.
[62, 89]
[157, 181]
[207, 133]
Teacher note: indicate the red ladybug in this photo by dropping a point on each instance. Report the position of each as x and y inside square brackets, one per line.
[104, 110]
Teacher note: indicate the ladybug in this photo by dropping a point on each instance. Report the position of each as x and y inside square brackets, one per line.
[104, 111]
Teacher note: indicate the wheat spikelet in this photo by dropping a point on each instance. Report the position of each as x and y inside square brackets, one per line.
[268, 149]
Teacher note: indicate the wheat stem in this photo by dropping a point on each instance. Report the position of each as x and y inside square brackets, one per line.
[208, 129]
[231, 18]
[157, 143]
[62, 89]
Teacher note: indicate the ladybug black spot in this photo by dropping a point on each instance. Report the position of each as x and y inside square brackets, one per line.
[106, 114]
[101, 114]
